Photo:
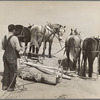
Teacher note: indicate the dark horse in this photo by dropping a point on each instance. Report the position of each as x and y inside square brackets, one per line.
[23, 34]
[73, 50]
[45, 34]
[90, 50]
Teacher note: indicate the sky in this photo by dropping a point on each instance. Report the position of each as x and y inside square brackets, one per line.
[83, 15]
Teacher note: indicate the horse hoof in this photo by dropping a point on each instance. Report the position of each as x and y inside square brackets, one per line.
[84, 75]
[90, 75]
[29, 55]
[43, 55]
[50, 56]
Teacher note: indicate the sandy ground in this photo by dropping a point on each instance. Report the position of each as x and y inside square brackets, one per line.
[76, 88]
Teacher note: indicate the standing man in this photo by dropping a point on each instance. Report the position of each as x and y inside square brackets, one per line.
[10, 45]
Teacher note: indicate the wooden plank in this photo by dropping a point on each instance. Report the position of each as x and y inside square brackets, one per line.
[38, 65]
[47, 69]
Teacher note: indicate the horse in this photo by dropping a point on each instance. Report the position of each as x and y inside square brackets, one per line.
[23, 34]
[90, 50]
[45, 34]
[37, 35]
[73, 50]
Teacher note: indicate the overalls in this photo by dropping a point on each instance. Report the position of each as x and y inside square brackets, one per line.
[10, 64]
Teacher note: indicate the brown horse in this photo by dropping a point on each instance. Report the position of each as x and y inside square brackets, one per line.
[45, 34]
[23, 34]
[73, 50]
[90, 50]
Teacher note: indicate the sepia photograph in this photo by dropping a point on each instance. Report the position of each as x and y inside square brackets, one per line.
[49, 49]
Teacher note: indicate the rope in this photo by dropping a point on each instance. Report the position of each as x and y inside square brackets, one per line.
[8, 87]
[58, 39]
[58, 51]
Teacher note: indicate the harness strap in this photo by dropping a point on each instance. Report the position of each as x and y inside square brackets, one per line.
[51, 32]
[92, 51]
[74, 47]
[48, 29]
[95, 51]
[22, 31]
[42, 30]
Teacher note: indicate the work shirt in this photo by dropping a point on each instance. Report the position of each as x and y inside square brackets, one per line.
[14, 42]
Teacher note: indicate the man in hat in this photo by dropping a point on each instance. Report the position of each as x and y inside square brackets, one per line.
[10, 45]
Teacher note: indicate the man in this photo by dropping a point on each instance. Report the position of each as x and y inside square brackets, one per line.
[11, 45]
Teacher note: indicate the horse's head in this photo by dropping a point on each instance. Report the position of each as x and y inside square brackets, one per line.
[56, 30]
[72, 32]
[30, 26]
[76, 32]
[61, 31]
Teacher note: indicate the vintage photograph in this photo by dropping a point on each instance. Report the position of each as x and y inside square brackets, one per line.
[49, 49]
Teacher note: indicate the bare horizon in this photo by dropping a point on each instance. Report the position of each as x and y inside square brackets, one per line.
[83, 15]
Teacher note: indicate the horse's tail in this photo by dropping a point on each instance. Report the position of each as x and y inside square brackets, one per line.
[33, 40]
[90, 46]
[71, 49]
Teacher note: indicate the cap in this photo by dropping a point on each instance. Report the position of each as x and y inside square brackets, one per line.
[11, 27]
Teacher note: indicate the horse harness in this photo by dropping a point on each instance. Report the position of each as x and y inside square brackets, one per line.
[52, 32]
[22, 31]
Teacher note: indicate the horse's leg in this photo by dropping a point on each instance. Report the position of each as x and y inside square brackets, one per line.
[37, 49]
[68, 60]
[84, 65]
[78, 67]
[33, 48]
[44, 47]
[74, 64]
[90, 61]
[26, 43]
[50, 46]
[29, 53]
[90, 67]
[79, 62]
[30, 48]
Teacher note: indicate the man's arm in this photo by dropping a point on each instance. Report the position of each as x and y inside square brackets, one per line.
[2, 44]
[16, 43]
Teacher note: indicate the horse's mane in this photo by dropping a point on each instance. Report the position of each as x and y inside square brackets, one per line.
[18, 27]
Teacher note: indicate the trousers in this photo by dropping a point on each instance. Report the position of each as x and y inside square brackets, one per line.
[10, 65]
